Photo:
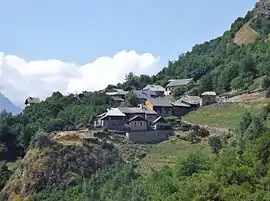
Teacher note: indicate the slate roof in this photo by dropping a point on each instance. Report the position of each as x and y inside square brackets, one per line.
[159, 119]
[115, 112]
[144, 94]
[209, 93]
[137, 118]
[150, 87]
[116, 92]
[117, 99]
[179, 103]
[179, 82]
[160, 102]
[193, 100]
[131, 110]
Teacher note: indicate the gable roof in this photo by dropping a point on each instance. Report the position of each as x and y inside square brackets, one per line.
[178, 82]
[159, 119]
[131, 110]
[209, 93]
[179, 103]
[137, 118]
[116, 92]
[150, 87]
[115, 112]
[160, 102]
[143, 94]
[193, 100]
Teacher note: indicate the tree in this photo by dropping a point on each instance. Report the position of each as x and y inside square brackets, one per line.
[266, 82]
[178, 92]
[132, 99]
[215, 143]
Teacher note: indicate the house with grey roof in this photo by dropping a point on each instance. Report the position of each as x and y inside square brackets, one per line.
[208, 97]
[117, 94]
[32, 100]
[147, 113]
[143, 95]
[193, 101]
[161, 105]
[113, 119]
[159, 90]
[138, 123]
[173, 83]
[180, 109]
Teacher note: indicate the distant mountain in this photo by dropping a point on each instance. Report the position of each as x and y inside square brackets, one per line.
[6, 104]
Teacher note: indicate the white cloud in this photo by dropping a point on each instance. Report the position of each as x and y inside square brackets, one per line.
[20, 79]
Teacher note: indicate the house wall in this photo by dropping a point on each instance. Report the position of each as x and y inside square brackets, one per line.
[181, 111]
[207, 100]
[163, 111]
[150, 117]
[114, 124]
[138, 125]
[149, 104]
[148, 136]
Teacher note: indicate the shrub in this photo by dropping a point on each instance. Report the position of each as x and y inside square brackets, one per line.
[195, 127]
[163, 127]
[215, 144]
[191, 136]
[185, 127]
[267, 93]
[203, 132]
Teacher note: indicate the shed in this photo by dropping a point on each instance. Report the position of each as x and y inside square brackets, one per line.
[138, 123]
[208, 97]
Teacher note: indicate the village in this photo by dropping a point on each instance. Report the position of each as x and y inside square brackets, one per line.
[147, 122]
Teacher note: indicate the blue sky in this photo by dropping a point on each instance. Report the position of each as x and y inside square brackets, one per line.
[82, 30]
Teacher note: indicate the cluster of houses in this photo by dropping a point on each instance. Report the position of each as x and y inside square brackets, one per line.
[154, 105]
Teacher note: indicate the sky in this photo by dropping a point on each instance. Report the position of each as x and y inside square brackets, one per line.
[70, 46]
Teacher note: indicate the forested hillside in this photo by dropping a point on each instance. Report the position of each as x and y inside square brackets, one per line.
[35, 167]
[238, 172]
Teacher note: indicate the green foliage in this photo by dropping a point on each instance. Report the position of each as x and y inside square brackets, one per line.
[267, 93]
[266, 82]
[178, 92]
[163, 127]
[215, 143]
[131, 99]
[5, 173]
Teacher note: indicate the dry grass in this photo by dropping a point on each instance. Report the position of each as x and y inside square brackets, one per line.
[245, 35]
[71, 137]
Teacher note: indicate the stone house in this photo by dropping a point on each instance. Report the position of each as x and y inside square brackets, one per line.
[138, 123]
[162, 106]
[130, 112]
[159, 90]
[116, 94]
[113, 119]
[173, 83]
[142, 96]
[207, 98]
[193, 101]
[180, 109]
[32, 100]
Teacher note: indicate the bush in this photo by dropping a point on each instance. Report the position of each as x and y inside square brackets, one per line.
[191, 136]
[195, 127]
[163, 127]
[267, 93]
[215, 144]
[185, 127]
[174, 120]
[203, 132]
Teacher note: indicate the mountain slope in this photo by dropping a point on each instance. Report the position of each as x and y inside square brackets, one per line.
[223, 65]
[6, 104]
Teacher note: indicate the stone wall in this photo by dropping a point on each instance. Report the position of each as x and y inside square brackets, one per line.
[148, 136]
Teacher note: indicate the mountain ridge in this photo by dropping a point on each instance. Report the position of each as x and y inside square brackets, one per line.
[7, 105]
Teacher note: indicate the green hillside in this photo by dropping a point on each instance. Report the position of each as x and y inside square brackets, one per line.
[34, 166]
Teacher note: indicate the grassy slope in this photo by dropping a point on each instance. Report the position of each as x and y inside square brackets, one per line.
[169, 152]
[226, 116]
